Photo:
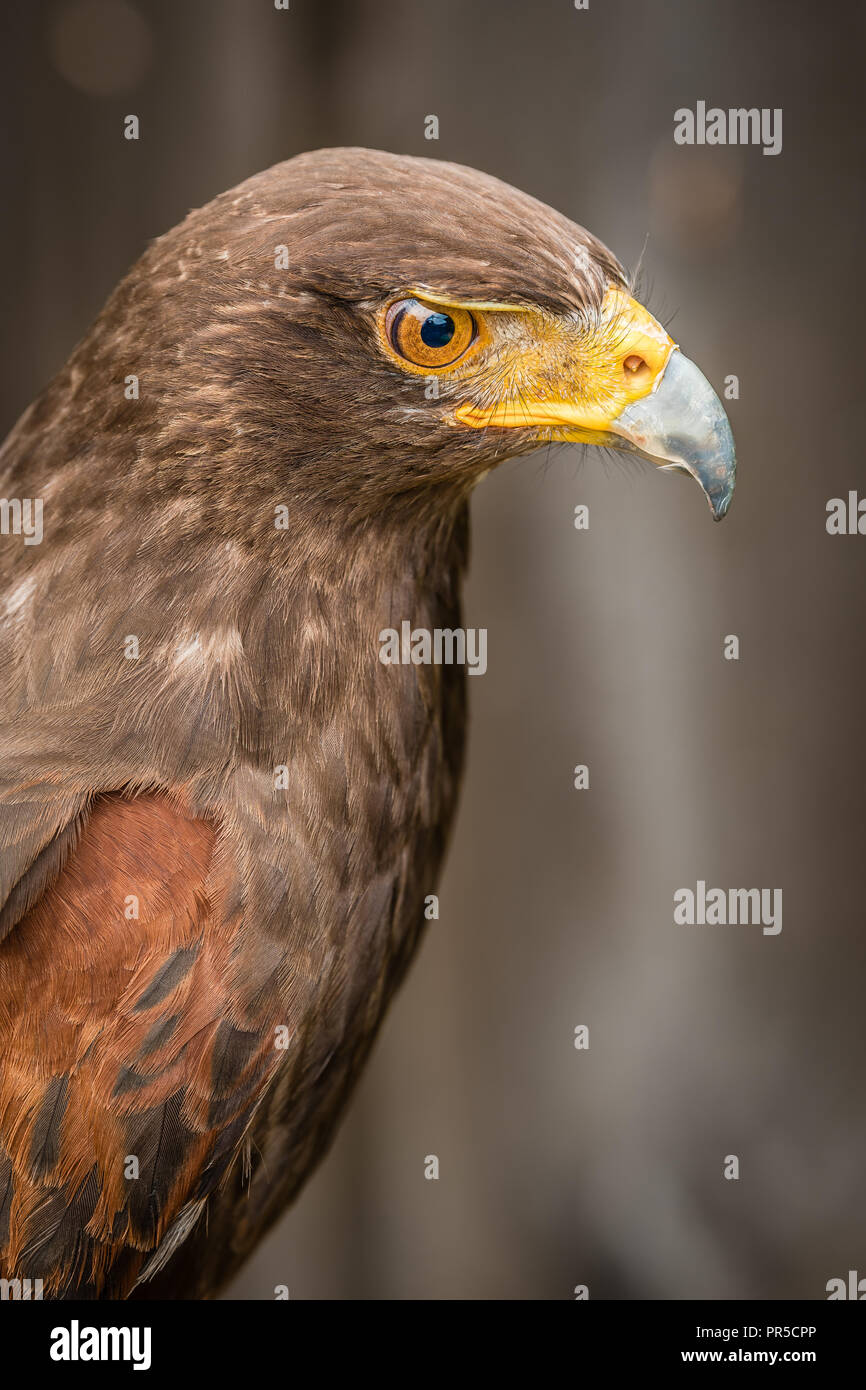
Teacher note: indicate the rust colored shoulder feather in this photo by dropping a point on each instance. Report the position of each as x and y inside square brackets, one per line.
[130, 1077]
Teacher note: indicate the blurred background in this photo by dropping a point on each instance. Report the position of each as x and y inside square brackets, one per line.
[561, 1167]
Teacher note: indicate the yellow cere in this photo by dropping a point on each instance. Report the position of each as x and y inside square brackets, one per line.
[576, 382]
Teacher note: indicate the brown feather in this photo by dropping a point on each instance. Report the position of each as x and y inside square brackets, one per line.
[85, 989]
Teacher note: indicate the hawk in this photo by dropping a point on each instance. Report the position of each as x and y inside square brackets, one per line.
[220, 812]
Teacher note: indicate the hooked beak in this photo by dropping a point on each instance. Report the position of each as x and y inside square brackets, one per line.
[636, 392]
[681, 426]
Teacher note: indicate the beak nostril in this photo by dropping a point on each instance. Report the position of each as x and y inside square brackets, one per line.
[636, 370]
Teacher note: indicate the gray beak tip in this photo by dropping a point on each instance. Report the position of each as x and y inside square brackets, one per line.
[719, 490]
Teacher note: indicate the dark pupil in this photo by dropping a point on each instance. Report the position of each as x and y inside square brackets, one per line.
[437, 330]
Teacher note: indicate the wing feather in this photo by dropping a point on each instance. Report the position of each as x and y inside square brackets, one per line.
[133, 1066]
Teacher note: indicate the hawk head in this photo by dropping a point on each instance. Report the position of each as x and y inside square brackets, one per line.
[360, 331]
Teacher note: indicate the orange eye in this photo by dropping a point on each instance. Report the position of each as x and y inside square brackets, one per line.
[428, 336]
